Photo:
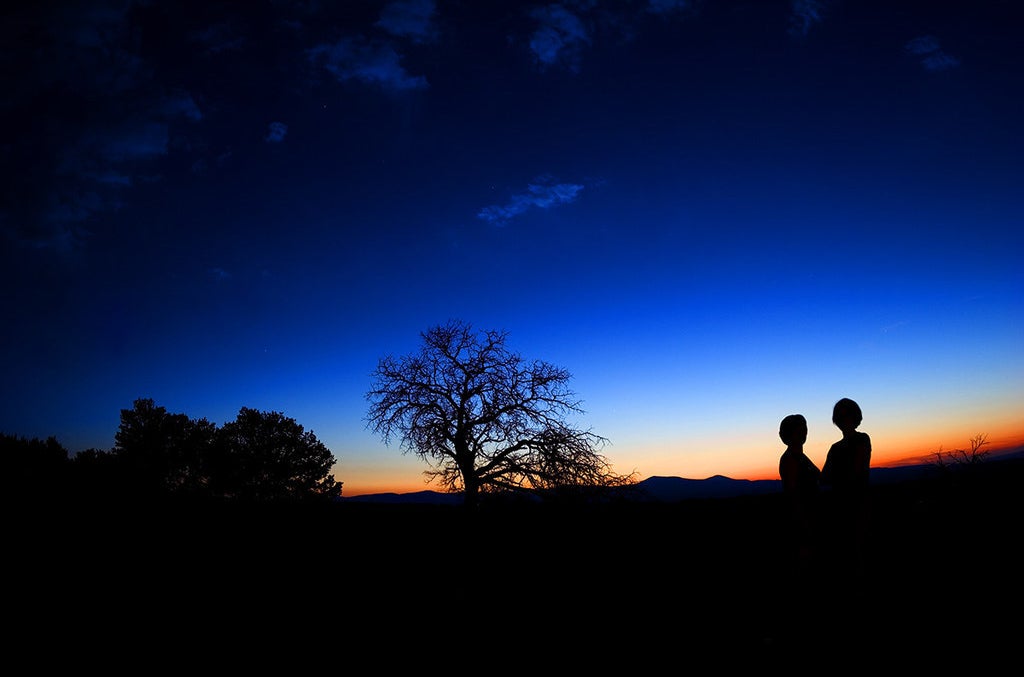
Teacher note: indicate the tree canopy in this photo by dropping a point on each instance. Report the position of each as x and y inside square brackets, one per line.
[485, 419]
[268, 456]
[260, 456]
[31, 467]
[164, 453]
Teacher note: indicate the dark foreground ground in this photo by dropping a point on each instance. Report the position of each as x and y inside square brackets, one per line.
[705, 585]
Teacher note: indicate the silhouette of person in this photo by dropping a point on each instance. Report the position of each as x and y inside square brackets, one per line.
[846, 476]
[800, 478]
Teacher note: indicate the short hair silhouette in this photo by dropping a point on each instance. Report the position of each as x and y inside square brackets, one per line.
[847, 409]
[791, 428]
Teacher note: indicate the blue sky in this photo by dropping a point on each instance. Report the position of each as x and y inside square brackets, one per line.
[713, 214]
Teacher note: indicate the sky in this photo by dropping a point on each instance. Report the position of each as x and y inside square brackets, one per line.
[712, 213]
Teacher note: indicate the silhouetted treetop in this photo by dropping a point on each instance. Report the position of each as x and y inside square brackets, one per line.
[31, 467]
[268, 456]
[260, 456]
[483, 417]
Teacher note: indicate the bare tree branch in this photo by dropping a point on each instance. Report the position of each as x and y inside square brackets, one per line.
[483, 418]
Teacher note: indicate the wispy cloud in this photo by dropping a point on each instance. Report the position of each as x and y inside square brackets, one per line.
[128, 141]
[559, 39]
[203, 164]
[804, 15]
[930, 53]
[413, 19]
[669, 6]
[83, 166]
[276, 132]
[370, 61]
[564, 31]
[543, 193]
[218, 38]
[178, 104]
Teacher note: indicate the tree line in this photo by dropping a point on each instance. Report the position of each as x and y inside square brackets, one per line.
[483, 418]
[258, 457]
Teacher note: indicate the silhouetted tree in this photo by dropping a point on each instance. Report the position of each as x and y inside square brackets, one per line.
[484, 418]
[267, 456]
[963, 457]
[96, 474]
[960, 468]
[162, 453]
[32, 468]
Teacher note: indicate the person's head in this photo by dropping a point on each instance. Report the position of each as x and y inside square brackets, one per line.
[793, 430]
[846, 414]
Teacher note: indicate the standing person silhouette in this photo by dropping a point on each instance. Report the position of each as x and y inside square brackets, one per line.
[846, 474]
[800, 477]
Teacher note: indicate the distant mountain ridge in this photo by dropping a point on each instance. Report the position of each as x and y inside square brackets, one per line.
[657, 488]
[419, 497]
[672, 489]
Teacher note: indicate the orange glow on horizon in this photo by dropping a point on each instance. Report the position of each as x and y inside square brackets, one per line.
[762, 464]
[416, 485]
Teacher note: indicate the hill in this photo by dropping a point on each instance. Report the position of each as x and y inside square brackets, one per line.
[665, 489]
[709, 579]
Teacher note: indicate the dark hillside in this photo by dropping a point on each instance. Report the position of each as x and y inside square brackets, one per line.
[698, 576]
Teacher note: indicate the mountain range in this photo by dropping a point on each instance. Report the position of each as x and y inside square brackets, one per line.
[663, 489]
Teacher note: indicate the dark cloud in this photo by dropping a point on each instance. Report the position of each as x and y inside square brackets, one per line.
[91, 116]
[669, 6]
[370, 61]
[413, 19]
[804, 15]
[219, 37]
[930, 53]
[90, 113]
[559, 39]
[128, 142]
[922, 45]
[564, 31]
[276, 131]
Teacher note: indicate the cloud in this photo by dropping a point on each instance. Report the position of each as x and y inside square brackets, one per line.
[930, 53]
[73, 163]
[129, 141]
[83, 178]
[202, 165]
[804, 15]
[179, 104]
[922, 45]
[276, 132]
[940, 61]
[559, 39]
[218, 38]
[373, 62]
[565, 30]
[411, 19]
[668, 6]
[543, 193]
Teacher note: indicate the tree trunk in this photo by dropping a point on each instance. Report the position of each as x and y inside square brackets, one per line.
[471, 491]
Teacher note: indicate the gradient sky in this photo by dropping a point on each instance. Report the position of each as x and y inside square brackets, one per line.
[712, 213]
